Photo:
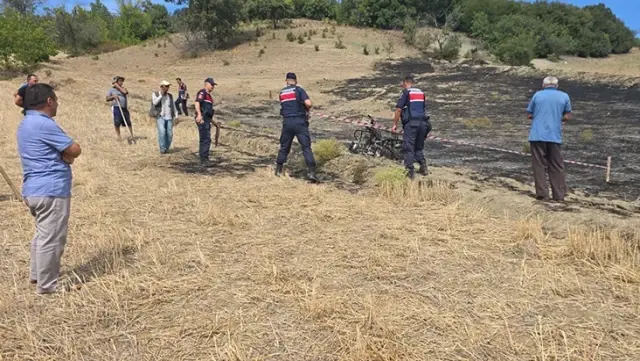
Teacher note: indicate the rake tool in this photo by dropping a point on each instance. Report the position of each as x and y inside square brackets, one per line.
[11, 185]
[131, 138]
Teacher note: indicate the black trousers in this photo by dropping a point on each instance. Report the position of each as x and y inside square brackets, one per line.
[204, 131]
[547, 157]
[298, 128]
[181, 103]
[415, 132]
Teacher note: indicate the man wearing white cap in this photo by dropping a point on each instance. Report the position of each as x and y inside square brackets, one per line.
[164, 110]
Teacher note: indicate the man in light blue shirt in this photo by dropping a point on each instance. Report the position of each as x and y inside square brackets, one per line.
[46, 155]
[548, 109]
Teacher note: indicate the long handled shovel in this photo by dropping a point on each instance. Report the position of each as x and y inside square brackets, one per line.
[11, 185]
[131, 139]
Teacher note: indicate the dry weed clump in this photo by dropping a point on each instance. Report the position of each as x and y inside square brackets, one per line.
[606, 247]
[474, 123]
[392, 182]
[325, 150]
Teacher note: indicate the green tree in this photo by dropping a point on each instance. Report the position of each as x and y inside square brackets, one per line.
[620, 37]
[273, 10]
[160, 19]
[214, 20]
[24, 41]
[23, 7]
[132, 24]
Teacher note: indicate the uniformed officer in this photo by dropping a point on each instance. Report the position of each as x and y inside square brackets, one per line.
[294, 108]
[415, 123]
[204, 118]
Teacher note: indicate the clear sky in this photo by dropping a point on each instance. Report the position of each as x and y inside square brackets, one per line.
[627, 10]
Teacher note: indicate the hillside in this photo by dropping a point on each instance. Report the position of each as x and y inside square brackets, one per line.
[166, 261]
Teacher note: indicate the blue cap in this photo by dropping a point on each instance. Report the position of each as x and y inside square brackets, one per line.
[210, 81]
[291, 76]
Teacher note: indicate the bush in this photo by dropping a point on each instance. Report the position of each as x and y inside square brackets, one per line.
[637, 42]
[409, 30]
[225, 62]
[260, 53]
[515, 51]
[301, 39]
[593, 44]
[388, 48]
[325, 150]
[365, 50]
[317, 47]
[376, 50]
[475, 123]
[234, 124]
[451, 48]
[390, 177]
[291, 37]
[339, 44]
[586, 136]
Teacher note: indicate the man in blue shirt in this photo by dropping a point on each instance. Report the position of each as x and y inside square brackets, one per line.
[548, 109]
[46, 154]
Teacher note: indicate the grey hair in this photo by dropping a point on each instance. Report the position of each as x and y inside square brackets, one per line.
[550, 81]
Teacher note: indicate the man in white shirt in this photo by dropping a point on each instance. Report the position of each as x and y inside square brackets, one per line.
[163, 109]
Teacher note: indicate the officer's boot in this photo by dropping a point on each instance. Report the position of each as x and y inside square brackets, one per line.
[423, 169]
[411, 173]
[312, 174]
[278, 169]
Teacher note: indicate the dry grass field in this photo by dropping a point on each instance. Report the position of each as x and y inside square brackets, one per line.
[166, 261]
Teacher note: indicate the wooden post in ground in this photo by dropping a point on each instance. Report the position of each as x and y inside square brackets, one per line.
[608, 169]
[11, 185]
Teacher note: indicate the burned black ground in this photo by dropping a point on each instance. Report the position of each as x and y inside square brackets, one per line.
[605, 122]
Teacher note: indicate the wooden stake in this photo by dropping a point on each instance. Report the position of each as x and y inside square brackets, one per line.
[608, 168]
[10, 183]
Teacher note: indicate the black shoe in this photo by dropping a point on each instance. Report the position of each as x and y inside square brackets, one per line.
[411, 173]
[312, 174]
[279, 169]
[423, 169]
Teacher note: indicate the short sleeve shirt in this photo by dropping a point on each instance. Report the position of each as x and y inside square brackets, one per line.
[40, 145]
[22, 91]
[206, 103]
[121, 97]
[547, 107]
[403, 101]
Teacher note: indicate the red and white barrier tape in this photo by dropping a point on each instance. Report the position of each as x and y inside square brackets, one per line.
[446, 140]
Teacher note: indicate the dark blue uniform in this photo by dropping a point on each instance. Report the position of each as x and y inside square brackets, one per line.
[181, 102]
[294, 124]
[206, 108]
[415, 123]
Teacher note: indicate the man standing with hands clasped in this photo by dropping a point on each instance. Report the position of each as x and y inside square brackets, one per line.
[46, 155]
[548, 109]
[164, 111]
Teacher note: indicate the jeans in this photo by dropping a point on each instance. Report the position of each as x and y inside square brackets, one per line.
[165, 133]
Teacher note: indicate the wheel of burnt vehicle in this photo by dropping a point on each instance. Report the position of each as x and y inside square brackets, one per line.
[392, 148]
